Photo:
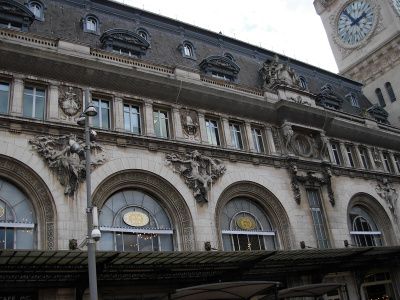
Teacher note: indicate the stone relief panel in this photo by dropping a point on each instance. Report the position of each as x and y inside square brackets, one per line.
[198, 171]
[70, 168]
[70, 101]
[276, 73]
[377, 158]
[190, 124]
[387, 192]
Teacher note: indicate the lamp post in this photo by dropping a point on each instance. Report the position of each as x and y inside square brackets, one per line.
[93, 235]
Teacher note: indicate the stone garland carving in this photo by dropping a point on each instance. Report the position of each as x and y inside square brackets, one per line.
[275, 137]
[299, 100]
[389, 194]
[199, 172]
[70, 168]
[377, 158]
[190, 124]
[311, 179]
[275, 73]
[69, 102]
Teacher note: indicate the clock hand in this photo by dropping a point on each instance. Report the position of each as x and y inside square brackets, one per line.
[350, 17]
[358, 19]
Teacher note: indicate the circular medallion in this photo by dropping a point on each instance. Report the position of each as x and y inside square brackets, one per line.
[1, 211]
[246, 223]
[135, 218]
[355, 22]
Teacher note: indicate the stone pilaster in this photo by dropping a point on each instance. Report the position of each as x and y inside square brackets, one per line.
[203, 128]
[270, 141]
[176, 122]
[148, 121]
[119, 113]
[358, 157]
[18, 96]
[52, 107]
[227, 133]
[250, 139]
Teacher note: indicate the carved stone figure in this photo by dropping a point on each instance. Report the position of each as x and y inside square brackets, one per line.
[69, 102]
[389, 194]
[199, 172]
[73, 244]
[288, 137]
[70, 168]
[190, 123]
[276, 73]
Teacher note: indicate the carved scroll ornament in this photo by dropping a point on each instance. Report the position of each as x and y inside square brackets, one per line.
[70, 168]
[199, 172]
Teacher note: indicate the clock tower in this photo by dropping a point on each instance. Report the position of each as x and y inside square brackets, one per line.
[365, 39]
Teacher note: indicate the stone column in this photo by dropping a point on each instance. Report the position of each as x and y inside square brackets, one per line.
[176, 122]
[118, 113]
[343, 151]
[270, 141]
[226, 131]
[358, 157]
[371, 159]
[203, 128]
[250, 139]
[148, 121]
[52, 107]
[18, 96]
[393, 161]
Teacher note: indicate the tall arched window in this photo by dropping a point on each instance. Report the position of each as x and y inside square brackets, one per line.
[390, 91]
[380, 97]
[303, 82]
[245, 226]
[363, 229]
[132, 220]
[17, 218]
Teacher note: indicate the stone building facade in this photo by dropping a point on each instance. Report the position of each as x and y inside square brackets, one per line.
[371, 58]
[207, 147]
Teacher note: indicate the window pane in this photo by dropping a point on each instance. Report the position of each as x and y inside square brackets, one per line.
[4, 94]
[28, 106]
[39, 108]
[105, 121]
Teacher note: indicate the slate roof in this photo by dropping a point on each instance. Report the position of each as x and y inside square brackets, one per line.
[63, 19]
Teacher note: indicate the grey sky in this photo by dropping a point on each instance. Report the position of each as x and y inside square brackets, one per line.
[289, 27]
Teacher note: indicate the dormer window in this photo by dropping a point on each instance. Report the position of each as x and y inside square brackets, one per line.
[378, 113]
[220, 67]
[352, 99]
[91, 24]
[329, 98]
[37, 7]
[144, 33]
[15, 15]
[187, 50]
[125, 42]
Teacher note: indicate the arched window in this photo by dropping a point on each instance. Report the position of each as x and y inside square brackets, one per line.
[91, 24]
[363, 229]
[17, 218]
[303, 82]
[390, 91]
[245, 226]
[144, 33]
[37, 7]
[187, 50]
[132, 220]
[380, 97]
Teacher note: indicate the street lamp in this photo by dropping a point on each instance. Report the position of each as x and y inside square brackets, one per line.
[93, 234]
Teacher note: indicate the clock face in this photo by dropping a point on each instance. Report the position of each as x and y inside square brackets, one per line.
[396, 4]
[355, 22]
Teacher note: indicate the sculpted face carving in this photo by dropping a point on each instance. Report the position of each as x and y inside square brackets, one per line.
[70, 168]
[199, 172]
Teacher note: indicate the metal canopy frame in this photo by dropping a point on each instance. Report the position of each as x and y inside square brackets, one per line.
[182, 269]
[312, 290]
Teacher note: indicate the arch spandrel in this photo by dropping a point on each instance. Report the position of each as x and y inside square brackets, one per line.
[378, 213]
[266, 200]
[157, 186]
[31, 184]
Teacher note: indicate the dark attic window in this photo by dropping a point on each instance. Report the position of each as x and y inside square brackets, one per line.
[91, 24]
[14, 15]
[329, 98]
[220, 67]
[125, 42]
[37, 7]
[187, 50]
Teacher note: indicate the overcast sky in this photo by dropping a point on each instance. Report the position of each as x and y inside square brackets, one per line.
[289, 27]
